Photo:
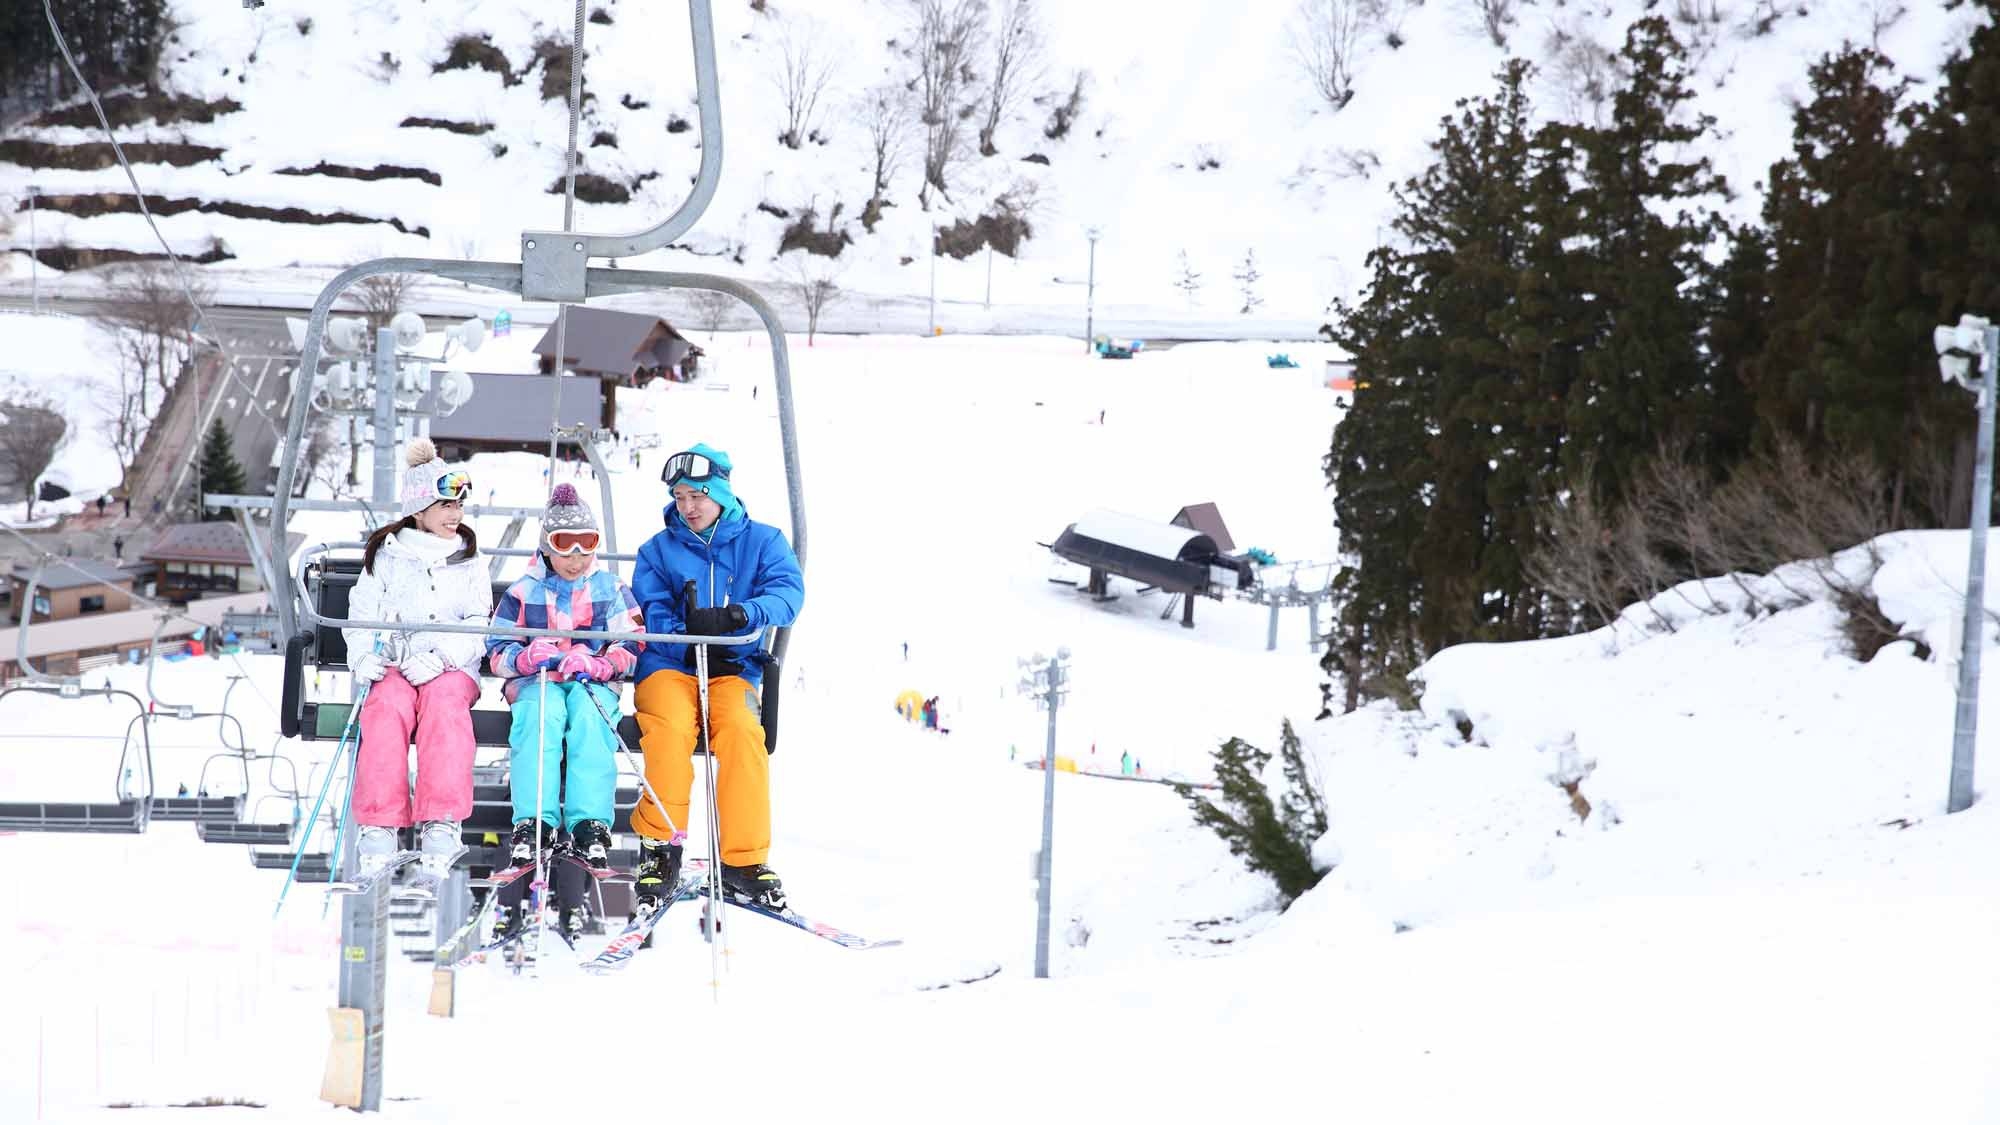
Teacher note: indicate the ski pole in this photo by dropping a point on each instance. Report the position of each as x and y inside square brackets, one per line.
[674, 832]
[333, 767]
[541, 756]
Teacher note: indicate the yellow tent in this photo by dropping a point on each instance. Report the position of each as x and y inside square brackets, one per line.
[910, 705]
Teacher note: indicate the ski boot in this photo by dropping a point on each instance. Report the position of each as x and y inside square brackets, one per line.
[591, 840]
[522, 852]
[571, 922]
[509, 921]
[374, 847]
[658, 872]
[441, 843]
[754, 884]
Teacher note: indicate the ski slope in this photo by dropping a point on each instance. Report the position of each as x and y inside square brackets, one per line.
[1755, 939]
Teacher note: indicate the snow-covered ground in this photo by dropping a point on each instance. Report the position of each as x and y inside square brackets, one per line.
[1766, 917]
[72, 363]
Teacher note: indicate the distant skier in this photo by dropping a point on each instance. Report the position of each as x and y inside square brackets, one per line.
[424, 567]
[712, 571]
[577, 773]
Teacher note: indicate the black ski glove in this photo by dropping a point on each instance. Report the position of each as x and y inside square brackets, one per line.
[715, 620]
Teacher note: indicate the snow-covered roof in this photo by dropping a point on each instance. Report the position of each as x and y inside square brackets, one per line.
[1162, 540]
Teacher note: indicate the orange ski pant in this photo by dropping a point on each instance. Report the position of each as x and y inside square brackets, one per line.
[669, 710]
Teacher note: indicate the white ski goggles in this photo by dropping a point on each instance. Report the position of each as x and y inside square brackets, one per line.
[695, 467]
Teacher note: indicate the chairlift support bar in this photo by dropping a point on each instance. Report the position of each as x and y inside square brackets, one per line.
[553, 262]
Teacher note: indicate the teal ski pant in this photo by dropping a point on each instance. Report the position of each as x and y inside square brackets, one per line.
[572, 721]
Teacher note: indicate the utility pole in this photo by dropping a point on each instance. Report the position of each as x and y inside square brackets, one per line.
[989, 276]
[1090, 294]
[1045, 678]
[1973, 337]
[34, 256]
[933, 256]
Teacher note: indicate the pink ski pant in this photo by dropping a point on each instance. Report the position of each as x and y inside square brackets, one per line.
[440, 712]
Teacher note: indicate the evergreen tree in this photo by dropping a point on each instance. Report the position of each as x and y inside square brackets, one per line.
[1737, 293]
[1953, 226]
[220, 471]
[1274, 837]
[1641, 378]
[1414, 461]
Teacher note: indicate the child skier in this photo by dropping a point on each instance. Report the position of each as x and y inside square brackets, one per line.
[424, 568]
[744, 576]
[567, 720]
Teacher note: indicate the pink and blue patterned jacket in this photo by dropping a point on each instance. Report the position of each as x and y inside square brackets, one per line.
[541, 599]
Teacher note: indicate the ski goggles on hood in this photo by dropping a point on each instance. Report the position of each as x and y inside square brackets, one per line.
[695, 467]
[572, 542]
[454, 485]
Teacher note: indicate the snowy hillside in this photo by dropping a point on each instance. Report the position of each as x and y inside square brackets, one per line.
[1196, 132]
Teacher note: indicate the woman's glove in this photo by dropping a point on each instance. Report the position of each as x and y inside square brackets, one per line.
[368, 667]
[539, 652]
[581, 664]
[423, 668]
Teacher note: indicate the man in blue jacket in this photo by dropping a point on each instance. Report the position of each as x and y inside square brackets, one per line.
[712, 571]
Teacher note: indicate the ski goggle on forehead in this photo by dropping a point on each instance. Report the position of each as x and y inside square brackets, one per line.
[692, 466]
[572, 542]
[454, 485]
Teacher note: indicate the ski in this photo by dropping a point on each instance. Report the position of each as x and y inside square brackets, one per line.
[362, 884]
[530, 916]
[621, 948]
[600, 874]
[834, 934]
[429, 877]
[494, 883]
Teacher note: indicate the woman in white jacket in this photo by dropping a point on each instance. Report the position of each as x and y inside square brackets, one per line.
[425, 568]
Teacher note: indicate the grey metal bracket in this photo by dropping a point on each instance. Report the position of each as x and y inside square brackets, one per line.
[553, 266]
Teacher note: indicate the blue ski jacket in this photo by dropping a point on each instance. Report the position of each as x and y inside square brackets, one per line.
[745, 562]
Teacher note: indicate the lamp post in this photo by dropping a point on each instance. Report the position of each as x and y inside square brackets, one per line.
[34, 255]
[1046, 679]
[1090, 292]
[1957, 346]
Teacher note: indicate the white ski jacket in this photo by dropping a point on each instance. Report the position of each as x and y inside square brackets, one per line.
[412, 582]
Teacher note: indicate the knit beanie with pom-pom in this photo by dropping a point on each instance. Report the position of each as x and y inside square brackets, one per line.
[429, 479]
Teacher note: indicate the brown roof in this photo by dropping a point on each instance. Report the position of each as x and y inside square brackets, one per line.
[516, 408]
[216, 541]
[609, 342]
[69, 574]
[1207, 519]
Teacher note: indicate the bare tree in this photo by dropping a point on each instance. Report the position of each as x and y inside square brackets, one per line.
[31, 432]
[1324, 35]
[807, 62]
[382, 296]
[147, 298]
[1017, 60]
[1189, 282]
[120, 397]
[888, 118]
[1246, 277]
[942, 44]
[1573, 560]
[319, 462]
[1496, 15]
[711, 308]
[814, 284]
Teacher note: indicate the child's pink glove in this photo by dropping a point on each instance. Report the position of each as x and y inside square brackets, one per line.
[580, 664]
[540, 651]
